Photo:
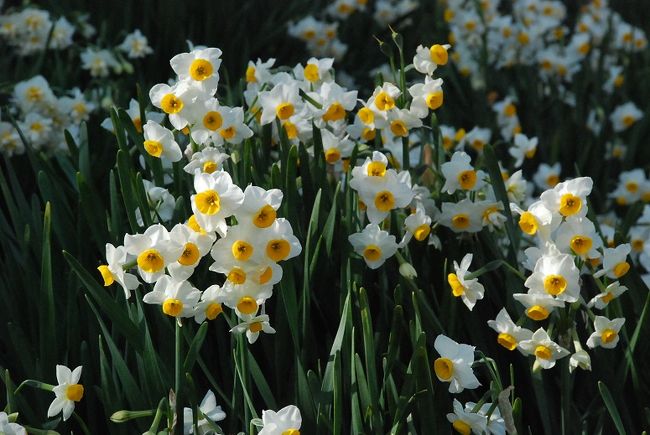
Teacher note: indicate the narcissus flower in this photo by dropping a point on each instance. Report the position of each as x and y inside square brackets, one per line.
[569, 198]
[461, 216]
[578, 235]
[68, 391]
[195, 246]
[258, 72]
[417, 225]
[427, 59]
[539, 304]
[524, 147]
[615, 263]
[154, 250]
[209, 307]
[177, 101]
[547, 176]
[159, 142]
[259, 207]
[200, 68]
[176, 297]
[210, 412]
[207, 160]
[580, 359]
[624, 116]
[495, 423]
[253, 326]
[116, 257]
[7, 428]
[278, 241]
[455, 364]
[556, 275]
[465, 422]
[603, 299]
[384, 98]
[546, 351]
[426, 96]
[374, 245]
[245, 298]
[216, 198]
[281, 102]
[286, 421]
[460, 174]
[606, 332]
[510, 335]
[469, 290]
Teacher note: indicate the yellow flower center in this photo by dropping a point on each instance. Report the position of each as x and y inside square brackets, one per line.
[34, 94]
[444, 368]
[250, 74]
[460, 221]
[335, 112]
[209, 166]
[467, 179]
[632, 186]
[422, 232]
[537, 312]
[200, 69]
[208, 202]
[247, 305]
[332, 155]
[366, 115]
[255, 327]
[266, 275]
[242, 250]
[284, 110]
[384, 101]
[212, 120]
[291, 129]
[278, 250]
[552, 180]
[237, 276]
[608, 335]
[153, 147]
[151, 261]
[621, 269]
[213, 310]
[106, 274]
[172, 307]
[368, 134]
[439, 54]
[190, 255]
[372, 253]
[543, 352]
[376, 169]
[74, 392]
[311, 73]
[510, 110]
[609, 296]
[434, 100]
[637, 245]
[581, 244]
[137, 123]
[570, 204]
[194, 225]
[399, 128]
[457, 289]
[507, 341]
[228, 132]
[264, 217]
[555, 284]
[461, 427]
[619, 80]
[384, 201]
[628, 120]
[291, 432]
[171, 104]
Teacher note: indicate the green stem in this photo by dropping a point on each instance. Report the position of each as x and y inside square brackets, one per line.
[82, 425]
[178, 367]
[34, 384]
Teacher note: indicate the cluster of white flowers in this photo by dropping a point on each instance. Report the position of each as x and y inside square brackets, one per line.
[27, 31]
[248, 253]
[42, 117]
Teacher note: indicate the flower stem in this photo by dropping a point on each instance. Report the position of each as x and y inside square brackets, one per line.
[178, 379]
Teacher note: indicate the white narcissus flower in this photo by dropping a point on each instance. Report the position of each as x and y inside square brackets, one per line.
[159, 142]
[207, 120]
[476, 138]
[281, 102]
[178, 101]
[568, 198]
[578, 235]
[624, 116]
[546, 351]
[195, 246]
[455, 364]
[7, 428]
[615, 263]
[557, 275]
[233, 130]
[460, 174]
[539, 304]
[469, 290]
[510, 335]
[603, 299]
[154, 250]
[495, 423]
[161, 203]
[426, 96]
[135, 45]
[68, 391]
[210, 412]
[464, 421]
[258, 72]
[462, 216]
[547, 176]
[400, 124]
[200, 68]
[538, 219]
[374, 245]
[216, 198]
[285, 421]
[524, 147]
[516, 187]
[116, 257]
[253, 326]
[335, 148]
[177, 297]
[427, 59]
[335, 102]
[315, 71]
[580, 359]
[259, 207]
[207, 160]
[278, 241]
[245, 298]
[209, 307]
[383, 98]
[417, 225]
[606, 332]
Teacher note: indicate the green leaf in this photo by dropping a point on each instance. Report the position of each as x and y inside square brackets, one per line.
[611, 407]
